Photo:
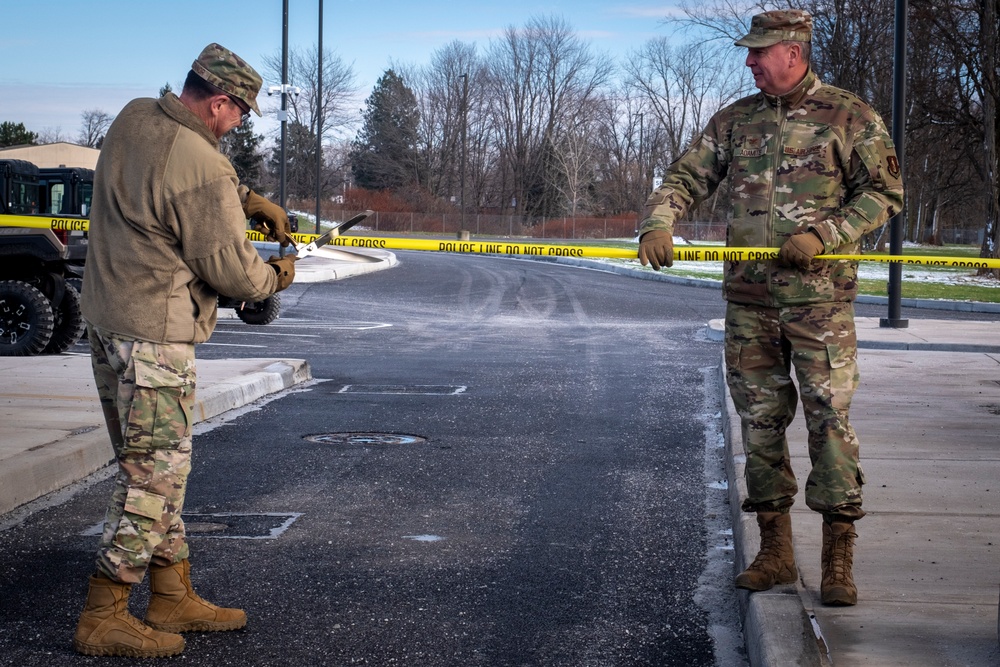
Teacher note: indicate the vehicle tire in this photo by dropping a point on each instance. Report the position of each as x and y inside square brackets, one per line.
[26, 319]
[69, 324]
[260, 312]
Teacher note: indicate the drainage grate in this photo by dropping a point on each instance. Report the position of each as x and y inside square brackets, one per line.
[420, 389]
[366, 439]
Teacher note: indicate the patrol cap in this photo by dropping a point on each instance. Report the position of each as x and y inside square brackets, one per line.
[772, 27]
[229, 73]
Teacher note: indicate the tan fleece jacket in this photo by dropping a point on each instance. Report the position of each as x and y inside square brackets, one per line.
[167, 229]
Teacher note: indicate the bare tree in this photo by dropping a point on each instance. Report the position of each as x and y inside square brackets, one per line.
[961, 92]
[447, 93]
[621, 170]
[852, 48]
[309, 113]
[51, 135]
[94, 126]
[326, 115]
[575, 156]
[684, 86]
[539, 76]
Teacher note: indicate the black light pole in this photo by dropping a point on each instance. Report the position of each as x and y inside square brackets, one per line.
[894, 318]
[284, 89]
[283, 116]
[319, 115]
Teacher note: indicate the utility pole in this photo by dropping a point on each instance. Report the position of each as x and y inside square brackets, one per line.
[319, 117]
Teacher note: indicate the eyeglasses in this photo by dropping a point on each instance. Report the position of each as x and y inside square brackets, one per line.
[244, 111]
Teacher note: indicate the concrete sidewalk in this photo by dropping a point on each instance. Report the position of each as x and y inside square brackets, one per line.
[926, 559]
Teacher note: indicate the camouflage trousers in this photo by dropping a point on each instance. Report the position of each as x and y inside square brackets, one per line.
[762, 344]
[147, 394]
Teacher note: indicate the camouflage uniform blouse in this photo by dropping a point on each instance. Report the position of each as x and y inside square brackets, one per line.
[817, 158]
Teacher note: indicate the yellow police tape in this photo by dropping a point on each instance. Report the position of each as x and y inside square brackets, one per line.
[685, 254]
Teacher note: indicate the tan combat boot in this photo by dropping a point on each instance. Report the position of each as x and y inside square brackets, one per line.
[175, 607]
[107, 628]
[775, 562]
[837, 587]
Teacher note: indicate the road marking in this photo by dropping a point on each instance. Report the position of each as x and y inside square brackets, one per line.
[229, 525]
[417, 389]
[233, 345]
[307, 324]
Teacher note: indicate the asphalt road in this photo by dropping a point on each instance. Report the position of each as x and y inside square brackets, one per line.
[500, 462]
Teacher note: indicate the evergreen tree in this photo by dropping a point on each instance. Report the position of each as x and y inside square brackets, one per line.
[16, 134]
[242, 147]
[300, 161]
[384, 154]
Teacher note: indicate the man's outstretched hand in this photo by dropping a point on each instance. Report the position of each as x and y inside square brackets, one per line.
[656, 248]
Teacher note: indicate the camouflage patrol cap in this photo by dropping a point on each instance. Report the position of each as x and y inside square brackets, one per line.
[228, 72]
[769, 28]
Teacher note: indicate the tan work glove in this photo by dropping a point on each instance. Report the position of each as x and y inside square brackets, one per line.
[285, 268]
[800, 249]
[269, 218]
[656, 248]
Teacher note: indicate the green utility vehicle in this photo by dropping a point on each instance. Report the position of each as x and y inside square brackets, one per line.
[39, 304]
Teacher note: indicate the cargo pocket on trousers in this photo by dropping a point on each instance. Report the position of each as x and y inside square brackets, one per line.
[142, 511]
[145, 504]
[843, 375]
[161, 406]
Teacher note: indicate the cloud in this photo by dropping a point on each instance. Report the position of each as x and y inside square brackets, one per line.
[648, 12]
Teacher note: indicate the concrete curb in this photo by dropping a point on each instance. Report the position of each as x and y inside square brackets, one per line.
[224, 395]
[64, 460]
[42, 470]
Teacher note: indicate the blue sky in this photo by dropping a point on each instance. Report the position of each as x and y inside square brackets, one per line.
[61, 57]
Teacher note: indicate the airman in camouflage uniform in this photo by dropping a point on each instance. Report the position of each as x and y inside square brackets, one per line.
[811, 168]
[167, 237]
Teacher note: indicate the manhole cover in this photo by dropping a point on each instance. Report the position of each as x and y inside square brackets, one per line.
[366, 439]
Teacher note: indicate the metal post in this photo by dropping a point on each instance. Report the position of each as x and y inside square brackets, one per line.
[283, 116]
[284, 89]
[894, 318]
[319, 116]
